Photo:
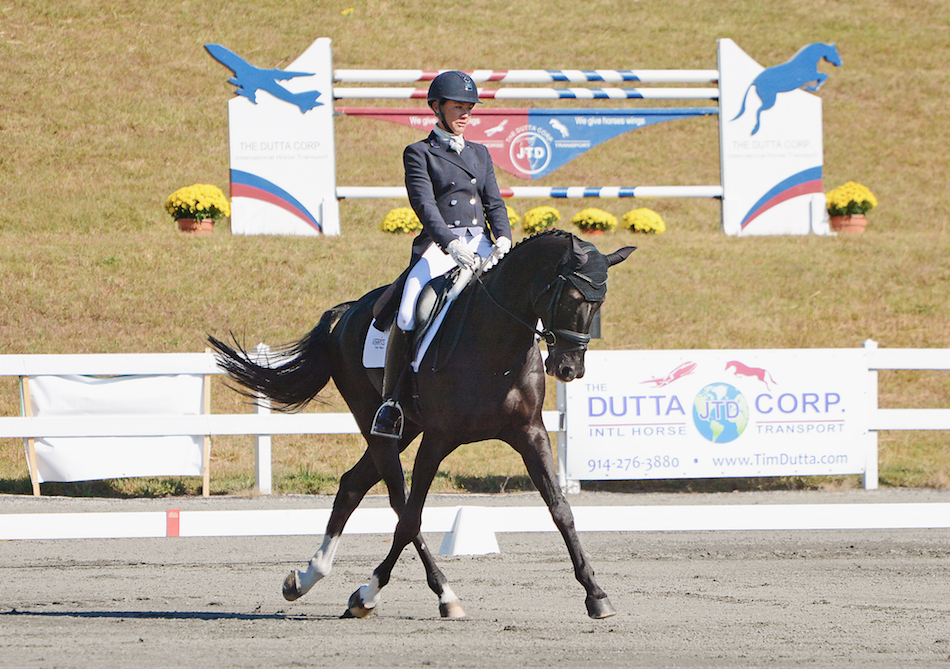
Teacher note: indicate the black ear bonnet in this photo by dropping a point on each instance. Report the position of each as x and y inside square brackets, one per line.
[588, 272]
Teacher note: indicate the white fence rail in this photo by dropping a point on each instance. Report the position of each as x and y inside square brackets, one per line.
[263, 424]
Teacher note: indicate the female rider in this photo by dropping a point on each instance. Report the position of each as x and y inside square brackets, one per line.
[452, 189]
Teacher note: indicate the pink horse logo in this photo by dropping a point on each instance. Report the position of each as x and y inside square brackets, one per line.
[744, 370]
[685, 369]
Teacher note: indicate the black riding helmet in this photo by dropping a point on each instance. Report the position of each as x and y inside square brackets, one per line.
[453, 85]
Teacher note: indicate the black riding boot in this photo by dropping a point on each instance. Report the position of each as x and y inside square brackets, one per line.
[389, 417]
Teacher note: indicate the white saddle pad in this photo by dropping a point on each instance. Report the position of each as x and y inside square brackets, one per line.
[374, 348]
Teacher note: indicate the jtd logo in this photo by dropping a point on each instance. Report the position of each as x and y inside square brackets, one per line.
[530, 152]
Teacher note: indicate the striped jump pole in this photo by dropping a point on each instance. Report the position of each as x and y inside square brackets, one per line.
[533, 76]
[539, 93]
[572, 192]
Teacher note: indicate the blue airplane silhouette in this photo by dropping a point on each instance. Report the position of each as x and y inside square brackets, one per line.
[250, 79]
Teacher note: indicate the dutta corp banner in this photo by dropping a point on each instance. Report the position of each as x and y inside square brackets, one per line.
[714, 414]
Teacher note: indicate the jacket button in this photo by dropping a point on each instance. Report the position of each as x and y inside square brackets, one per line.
[458, 222]
[472, 201]
[474, 181]
[453, 202]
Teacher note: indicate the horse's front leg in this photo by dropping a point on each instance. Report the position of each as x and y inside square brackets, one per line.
[533, 444]
[819, 82]
[408, 529]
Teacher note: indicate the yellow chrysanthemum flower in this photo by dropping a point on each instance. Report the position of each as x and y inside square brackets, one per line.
[401, 219]
[539, 218]
[850, 199]
[593, 218]
[198, 201]
[643, 220]
[513, 218]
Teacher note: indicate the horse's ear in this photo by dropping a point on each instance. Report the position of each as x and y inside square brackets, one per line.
[580, 254]
[619, 255]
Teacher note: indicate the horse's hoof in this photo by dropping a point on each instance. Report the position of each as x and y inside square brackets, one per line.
[355, 608]
[451, 610]
[599, 608]
[290, 590]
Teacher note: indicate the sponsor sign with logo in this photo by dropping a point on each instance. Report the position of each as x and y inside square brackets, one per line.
[771, 141]
[709, 414]
[280, 125]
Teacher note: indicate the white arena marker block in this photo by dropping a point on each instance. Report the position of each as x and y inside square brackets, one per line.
[471, 534]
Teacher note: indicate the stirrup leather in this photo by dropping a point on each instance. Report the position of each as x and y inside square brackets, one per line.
[388, 420]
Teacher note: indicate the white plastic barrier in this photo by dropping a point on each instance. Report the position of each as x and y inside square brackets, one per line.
[471, 530]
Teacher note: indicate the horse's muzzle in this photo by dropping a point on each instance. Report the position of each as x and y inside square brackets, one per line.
[565, 366]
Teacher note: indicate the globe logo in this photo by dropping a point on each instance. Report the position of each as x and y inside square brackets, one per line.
[720, 413]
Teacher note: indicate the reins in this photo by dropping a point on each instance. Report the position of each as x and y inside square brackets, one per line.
[550, 336]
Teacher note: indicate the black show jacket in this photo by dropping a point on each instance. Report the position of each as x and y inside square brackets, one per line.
[449, 190]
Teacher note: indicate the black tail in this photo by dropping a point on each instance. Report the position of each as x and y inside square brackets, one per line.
[301, 370]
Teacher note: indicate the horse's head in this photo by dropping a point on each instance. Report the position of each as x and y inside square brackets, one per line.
[831, 55]
[567, 306]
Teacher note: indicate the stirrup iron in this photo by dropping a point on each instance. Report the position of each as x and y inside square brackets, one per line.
[388, 420]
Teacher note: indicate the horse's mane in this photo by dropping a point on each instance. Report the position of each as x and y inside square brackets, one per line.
[553, 234]
[587, 266]
[549, 232]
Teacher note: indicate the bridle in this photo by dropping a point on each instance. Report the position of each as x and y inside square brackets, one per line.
[553, 335]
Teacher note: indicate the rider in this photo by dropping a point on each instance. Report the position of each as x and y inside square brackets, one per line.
[452, 189]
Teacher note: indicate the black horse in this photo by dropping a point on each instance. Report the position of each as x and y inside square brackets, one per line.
[482, 378]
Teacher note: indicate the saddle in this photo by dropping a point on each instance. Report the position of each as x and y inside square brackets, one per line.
[430, 304]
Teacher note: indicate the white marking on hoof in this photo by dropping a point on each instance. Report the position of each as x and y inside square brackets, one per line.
[359, 604]
[369, 594]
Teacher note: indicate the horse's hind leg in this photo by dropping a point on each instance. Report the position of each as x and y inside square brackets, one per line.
[363, 602]
[354, 485]
[535, 448]
[819, 79]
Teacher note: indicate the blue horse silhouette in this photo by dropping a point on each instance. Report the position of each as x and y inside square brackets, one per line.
[800, 69]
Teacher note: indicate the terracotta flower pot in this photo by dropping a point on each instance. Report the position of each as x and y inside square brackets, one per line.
[849, 225]
[203, 226]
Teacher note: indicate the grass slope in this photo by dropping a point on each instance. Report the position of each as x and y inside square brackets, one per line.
[111, 106]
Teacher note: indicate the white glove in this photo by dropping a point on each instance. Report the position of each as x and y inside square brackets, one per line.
[501, 247]
[461, 254]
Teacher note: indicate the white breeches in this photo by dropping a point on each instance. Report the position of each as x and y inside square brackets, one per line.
[435, 263]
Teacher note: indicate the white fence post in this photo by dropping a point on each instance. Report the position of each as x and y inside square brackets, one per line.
[568, 487]
[263, 475]
[869, 479]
